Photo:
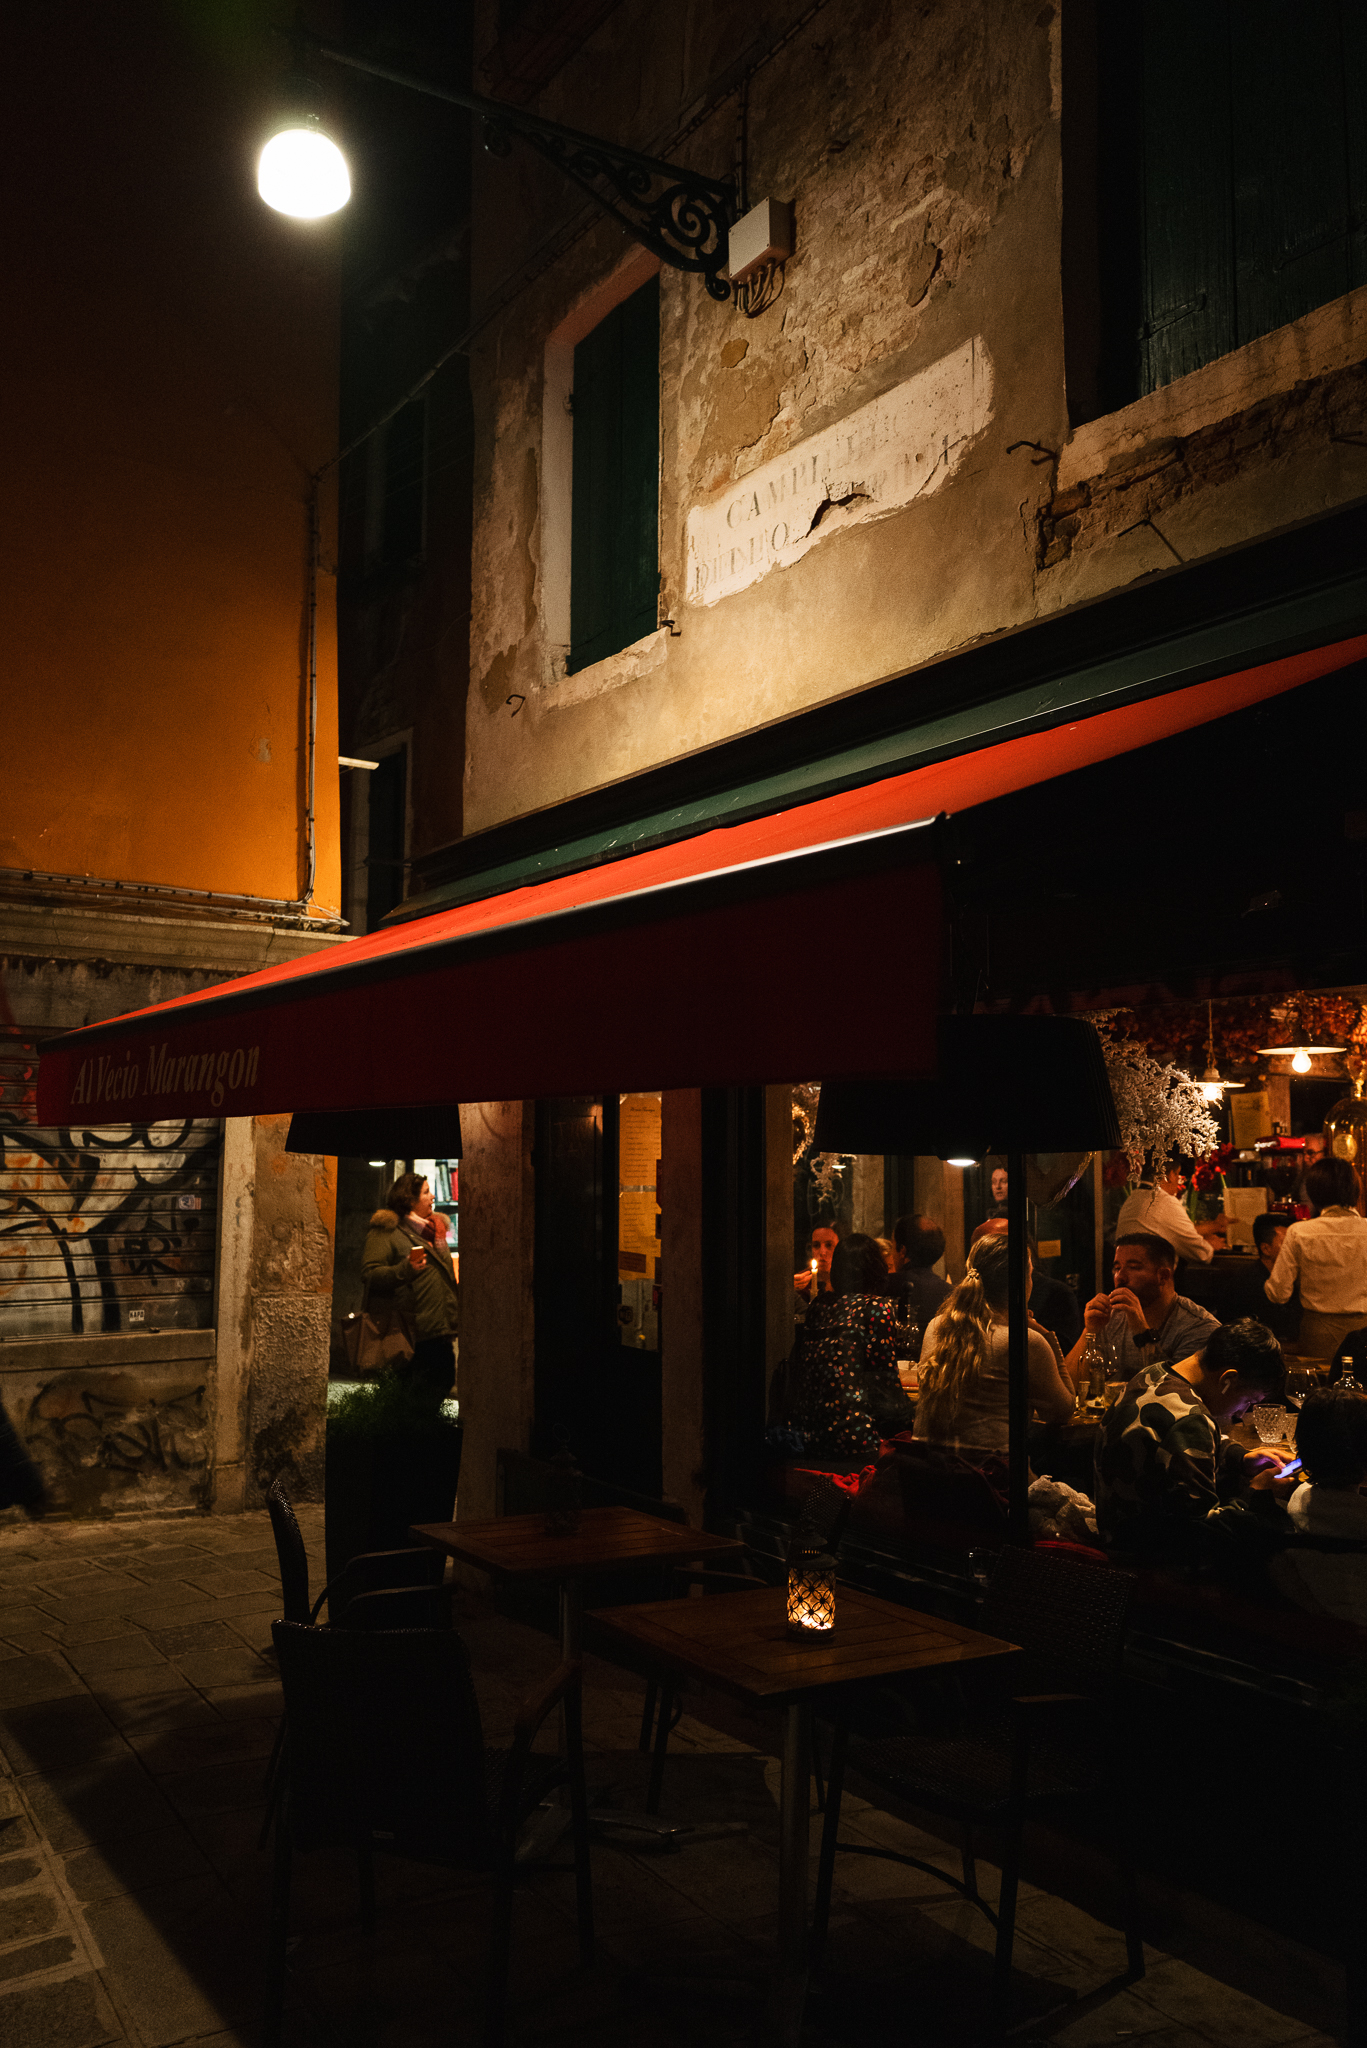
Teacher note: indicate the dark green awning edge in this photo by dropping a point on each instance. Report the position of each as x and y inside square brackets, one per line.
[1314, 585]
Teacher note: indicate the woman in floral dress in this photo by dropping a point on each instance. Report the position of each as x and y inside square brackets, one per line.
[850, 1397]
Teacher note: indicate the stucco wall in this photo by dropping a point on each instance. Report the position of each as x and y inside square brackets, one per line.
[171, 384]
[922, 151]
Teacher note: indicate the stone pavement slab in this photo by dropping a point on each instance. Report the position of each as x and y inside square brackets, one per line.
[138, 1704]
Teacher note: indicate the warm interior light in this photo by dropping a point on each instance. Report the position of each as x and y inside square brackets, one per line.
[1300, 1063]
[303, 173]
[961, 1162]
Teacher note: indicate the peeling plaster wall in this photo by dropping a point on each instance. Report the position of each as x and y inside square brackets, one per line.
[921, 148]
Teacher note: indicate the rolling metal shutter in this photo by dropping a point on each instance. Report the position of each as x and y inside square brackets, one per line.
[105, 1228]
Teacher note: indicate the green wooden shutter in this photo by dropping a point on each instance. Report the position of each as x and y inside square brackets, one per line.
[1291, 228]
[1253, 174]
[1188, 298]
[614, 540]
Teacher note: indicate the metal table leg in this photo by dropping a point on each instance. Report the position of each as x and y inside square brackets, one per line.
[571, 1619]
[571, 1647]
[783, 2019]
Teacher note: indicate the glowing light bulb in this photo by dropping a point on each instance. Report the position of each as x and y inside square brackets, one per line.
[961, 1162]
[1300, 1063]
[303, 173]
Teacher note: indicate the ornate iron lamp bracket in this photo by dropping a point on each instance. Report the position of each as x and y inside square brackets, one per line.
[680, 216]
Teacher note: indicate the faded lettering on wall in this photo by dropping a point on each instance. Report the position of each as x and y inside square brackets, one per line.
[897, 448]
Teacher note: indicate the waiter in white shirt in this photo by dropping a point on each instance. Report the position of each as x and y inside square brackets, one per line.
[1154, 1209]
[1328, 1255]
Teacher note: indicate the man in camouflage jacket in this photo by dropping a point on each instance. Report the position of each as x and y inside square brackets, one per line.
[1162, 1462]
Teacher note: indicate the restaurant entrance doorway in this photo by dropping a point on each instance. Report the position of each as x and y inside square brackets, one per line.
[597, 1286]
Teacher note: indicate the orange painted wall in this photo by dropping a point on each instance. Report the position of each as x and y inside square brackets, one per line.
[169, 375]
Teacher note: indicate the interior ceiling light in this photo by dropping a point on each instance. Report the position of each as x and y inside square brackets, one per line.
[1300, 1056]
[303, 173]
[1211, 1085]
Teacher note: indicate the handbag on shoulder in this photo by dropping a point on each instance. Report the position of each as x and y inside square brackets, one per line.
[377, 1339]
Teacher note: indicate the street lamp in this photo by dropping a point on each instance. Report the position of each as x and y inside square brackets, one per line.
[303, 173]
[679, 214]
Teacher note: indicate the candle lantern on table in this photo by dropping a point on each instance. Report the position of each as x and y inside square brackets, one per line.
[811, 1587]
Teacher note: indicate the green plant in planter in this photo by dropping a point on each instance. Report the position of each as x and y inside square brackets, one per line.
[383, 1408]
[392, 1459]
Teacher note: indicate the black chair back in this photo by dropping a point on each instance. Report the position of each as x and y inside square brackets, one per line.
[385, 1747]
[289, 1549]
[377, 1571]
[397, 1607]
[1068, 1617]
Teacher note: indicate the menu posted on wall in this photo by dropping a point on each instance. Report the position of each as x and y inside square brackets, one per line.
[1250, 1118]
[638, 1215]
[638, 1221]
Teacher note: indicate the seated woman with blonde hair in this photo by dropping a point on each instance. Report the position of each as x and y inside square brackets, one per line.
[963, 1399]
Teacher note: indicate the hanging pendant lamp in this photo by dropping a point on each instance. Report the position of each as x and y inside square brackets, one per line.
[1211, 1084]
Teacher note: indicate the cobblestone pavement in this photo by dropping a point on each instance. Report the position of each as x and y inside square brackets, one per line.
[137, 1710]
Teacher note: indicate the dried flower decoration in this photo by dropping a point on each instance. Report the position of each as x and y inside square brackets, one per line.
[806, 1096]
[1161, 1108]
[828, 1174]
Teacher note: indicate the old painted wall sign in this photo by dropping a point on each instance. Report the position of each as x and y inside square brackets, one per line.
[897, 448]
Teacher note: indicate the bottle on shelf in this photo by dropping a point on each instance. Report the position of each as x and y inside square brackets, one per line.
[1347, 1378]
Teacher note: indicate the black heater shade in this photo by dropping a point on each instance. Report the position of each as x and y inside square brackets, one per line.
[424, 1132]
[1006, 1084]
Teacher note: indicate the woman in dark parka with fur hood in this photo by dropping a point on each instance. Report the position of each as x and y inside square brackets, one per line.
[404, 1261]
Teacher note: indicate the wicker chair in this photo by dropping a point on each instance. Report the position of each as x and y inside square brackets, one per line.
[1045, 1745]
[387, 1753]
[374, 1570]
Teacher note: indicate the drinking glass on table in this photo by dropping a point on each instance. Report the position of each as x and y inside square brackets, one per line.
[1300, 1381]
[1274, 1425]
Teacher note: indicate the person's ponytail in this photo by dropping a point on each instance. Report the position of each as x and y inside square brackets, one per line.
[961, 1343]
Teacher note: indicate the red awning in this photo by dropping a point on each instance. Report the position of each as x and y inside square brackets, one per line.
[687, 965]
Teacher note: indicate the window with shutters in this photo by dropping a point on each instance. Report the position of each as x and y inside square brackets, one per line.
[102, 1229]
[614, 536]
[1232, 177]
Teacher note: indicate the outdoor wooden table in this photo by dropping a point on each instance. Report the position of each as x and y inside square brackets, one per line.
[739, 1642]
[518, 1547]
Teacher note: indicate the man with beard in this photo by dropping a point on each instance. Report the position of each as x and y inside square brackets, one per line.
[1143, 1318]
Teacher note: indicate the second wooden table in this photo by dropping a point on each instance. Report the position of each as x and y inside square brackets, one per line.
[518, 1547]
